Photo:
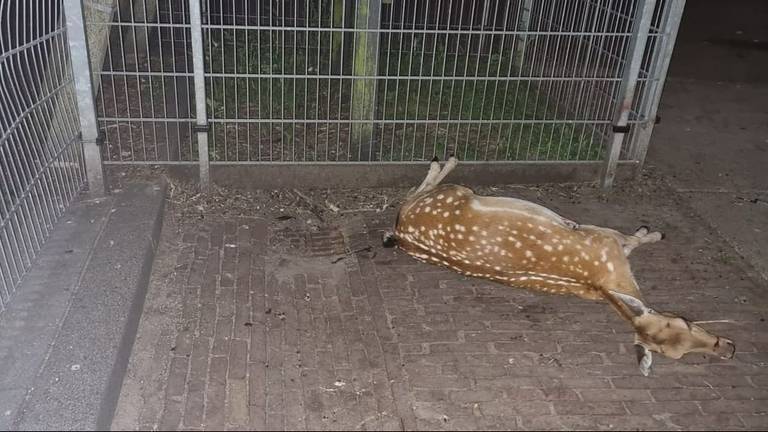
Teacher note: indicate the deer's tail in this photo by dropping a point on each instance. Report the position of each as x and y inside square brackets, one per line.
[389, 239]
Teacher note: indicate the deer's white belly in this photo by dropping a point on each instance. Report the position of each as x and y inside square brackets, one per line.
[521, 208]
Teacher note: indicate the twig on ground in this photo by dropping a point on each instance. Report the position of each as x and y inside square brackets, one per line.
[334, 208]
[364, 249]
[312, 206]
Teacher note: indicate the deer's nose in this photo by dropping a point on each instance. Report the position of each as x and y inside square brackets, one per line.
[725, 348]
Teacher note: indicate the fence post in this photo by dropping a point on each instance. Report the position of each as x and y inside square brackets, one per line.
[365, 56]
[201, 114]
[639, 146]
[337, 38]
[522, 39]
[642, 24]
[86, 109]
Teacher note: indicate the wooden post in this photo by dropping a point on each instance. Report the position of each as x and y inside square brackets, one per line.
[365, 60]
[522, 39]
[337, 38]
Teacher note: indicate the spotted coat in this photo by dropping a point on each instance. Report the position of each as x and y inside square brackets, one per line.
[514, 242]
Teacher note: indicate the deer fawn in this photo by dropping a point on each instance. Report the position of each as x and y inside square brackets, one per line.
[522, 244]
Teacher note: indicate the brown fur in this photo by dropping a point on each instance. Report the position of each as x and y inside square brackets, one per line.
[521, 244]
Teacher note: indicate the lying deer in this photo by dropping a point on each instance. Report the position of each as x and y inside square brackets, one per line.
[522, 244]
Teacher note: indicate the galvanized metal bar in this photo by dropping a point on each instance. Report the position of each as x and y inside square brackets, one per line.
[627, 89]
[201, 112]
[412, 77]
[639, 146]
[89, 129]
[403, 30]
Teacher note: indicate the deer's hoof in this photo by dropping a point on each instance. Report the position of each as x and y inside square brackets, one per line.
[435, 159]
[642, 230]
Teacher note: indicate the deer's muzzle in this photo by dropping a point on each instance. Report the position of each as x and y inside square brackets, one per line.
[725, 348]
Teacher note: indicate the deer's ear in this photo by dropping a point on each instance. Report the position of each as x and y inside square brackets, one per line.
[634, 304]
[644, 359]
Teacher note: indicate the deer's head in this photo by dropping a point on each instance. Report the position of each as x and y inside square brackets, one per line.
[669, 335]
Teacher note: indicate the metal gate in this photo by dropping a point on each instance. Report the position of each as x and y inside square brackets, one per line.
[388, 81]
[41, 166]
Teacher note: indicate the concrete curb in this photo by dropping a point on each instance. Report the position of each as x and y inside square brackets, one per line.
[78, 384]
[109, 402]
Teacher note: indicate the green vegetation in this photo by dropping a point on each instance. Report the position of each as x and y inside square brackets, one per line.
[428, 101]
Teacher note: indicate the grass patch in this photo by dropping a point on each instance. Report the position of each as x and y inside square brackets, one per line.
[427, 102]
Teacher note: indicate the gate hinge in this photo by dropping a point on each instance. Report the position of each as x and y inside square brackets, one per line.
[98, 140]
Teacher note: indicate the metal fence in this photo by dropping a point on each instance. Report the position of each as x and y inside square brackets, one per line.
[41, 168]
[394, 80]
[229, 82]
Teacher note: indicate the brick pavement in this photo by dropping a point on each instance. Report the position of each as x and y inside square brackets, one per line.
[279, 329]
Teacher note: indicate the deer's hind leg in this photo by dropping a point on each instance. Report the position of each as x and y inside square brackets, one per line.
[642, 235]
[435, 174]
[447, 168]
[432, 174]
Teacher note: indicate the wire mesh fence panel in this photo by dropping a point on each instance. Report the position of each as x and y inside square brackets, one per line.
[373, 80]
[41, 167]
[145, 102]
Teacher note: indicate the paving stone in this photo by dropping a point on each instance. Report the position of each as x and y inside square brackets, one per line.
[290, 341]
